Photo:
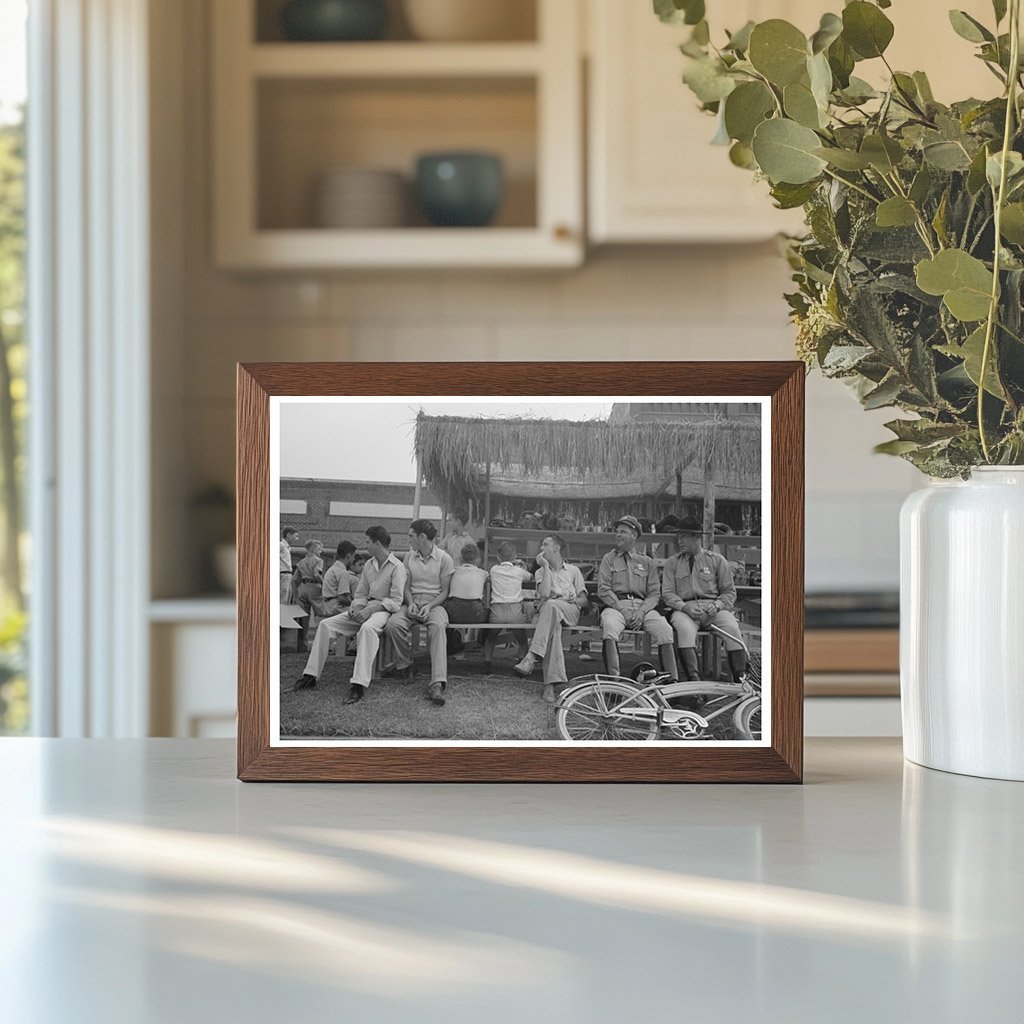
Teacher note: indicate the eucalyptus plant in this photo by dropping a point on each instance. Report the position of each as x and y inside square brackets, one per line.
[909, 279]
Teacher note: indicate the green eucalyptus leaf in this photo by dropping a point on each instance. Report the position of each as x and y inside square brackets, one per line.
[885, 394]
[895, 447]
[946, 156]
[707, 80]
[976, 173]
[788, 196]
[829, 30]
[800, 105]
[676, 12]
[921, 185]
[778, 50]
[994, 167]
[969, 28]
[939, 220]
[999, 7]
[844, 159]
[858, 91]
[963, 281]
[1011, 225]
[820, 76]
[745, 108]
[785, 152]
[923, 431]
[841, 60]
[701, 32]
[739, 41]
[866, 29]
[883, 153]
[895, 212]
[742, 155]
[971, 352]
[924, 88]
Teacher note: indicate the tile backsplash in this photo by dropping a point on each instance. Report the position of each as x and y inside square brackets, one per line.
[717, 302]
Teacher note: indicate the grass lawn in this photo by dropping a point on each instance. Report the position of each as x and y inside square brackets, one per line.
[501, 706]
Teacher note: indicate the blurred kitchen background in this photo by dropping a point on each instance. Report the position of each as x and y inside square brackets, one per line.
[214, 184]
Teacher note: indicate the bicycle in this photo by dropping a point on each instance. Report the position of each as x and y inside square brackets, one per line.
[608, 707]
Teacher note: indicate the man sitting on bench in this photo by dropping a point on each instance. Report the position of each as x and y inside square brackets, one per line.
[563, 595]
[698, 586]
[379, 595]
[628, 585]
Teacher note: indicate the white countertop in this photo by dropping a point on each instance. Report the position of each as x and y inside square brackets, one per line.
[143, 884]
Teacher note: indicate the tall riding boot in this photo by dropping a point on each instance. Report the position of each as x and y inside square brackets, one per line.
[688, 656]
[738, 665]
[667, 657]
[610, 650]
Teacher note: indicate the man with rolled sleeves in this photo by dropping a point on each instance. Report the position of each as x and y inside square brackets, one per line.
[698, 586]
[379, 594]
[628, 585]
[429, 572]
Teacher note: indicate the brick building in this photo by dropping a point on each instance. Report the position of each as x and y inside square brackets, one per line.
[336, 510]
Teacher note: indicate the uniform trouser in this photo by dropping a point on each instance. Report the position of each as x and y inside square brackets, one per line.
[507, 614]
[547, 637]
[613, 622]
[399, 633]
[310, 600]
[367, 635]
[686, 629]
[286, 586]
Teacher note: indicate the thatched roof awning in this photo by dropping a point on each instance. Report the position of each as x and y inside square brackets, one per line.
[586, 458]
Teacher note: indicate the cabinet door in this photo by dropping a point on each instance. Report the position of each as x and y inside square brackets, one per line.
[654, 175]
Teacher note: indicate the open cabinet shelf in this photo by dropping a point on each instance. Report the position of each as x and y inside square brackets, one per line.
[288, 114]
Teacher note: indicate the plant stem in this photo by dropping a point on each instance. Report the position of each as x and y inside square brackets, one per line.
[993, 308]
[855, 187]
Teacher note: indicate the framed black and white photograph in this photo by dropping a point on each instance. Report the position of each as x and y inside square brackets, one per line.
[574, 582]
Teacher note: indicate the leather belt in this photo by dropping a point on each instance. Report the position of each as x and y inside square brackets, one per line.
[640, 596]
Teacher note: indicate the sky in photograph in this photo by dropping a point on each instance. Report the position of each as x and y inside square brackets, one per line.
[338, 440]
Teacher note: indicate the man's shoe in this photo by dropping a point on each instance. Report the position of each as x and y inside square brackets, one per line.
[548, 693]
[435, 693]
[307, 682]
[525, 667]
[355, 694]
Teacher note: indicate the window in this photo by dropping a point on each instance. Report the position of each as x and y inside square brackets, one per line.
[14, 706]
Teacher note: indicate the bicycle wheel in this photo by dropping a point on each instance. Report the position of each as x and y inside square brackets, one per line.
[602, 711]
[747, 719]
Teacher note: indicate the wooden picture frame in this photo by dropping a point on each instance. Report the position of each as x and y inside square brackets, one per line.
[780, 384]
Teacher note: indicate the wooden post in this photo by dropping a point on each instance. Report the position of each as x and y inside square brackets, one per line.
[679, 491]
[709, 500]
[419, 489]
[487, 515]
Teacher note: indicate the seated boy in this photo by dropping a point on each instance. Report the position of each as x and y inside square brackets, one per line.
[469, 594]
[308, 582]
[507, 578]
[339, 581]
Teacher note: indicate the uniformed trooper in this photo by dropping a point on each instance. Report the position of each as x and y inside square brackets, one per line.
[698, 586]
[628, 585]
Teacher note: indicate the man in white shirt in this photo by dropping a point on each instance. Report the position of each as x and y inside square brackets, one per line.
[563, 595]
[429, 573]
[289, 539]
[507, 609]
[379, 595]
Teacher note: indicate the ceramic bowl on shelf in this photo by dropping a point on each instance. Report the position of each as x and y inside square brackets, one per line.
[334, 20]
[460, 189]
[470, 20]
[361, 198]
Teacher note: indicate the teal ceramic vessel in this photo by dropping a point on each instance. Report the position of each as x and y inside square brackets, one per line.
[332, 21]
[460, 189]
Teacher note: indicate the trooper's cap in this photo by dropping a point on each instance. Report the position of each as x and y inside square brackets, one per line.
[690, 524]
[631, 521]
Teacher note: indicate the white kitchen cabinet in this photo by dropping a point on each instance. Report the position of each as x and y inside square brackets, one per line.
[653, 174]
[286, 113]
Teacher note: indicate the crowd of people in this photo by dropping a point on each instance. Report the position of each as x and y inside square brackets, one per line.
[440, 583]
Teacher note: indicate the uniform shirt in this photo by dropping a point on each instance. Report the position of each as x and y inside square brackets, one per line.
[507, 583]
[286, 557]
[310, 568]
[628, 575]
[566, 582]
[468, 583]
[455, 543]
[338, 581]
[427, 575]
[384, 583]
[709, 580]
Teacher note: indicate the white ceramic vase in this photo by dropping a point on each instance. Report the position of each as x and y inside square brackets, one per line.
[962, 624]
